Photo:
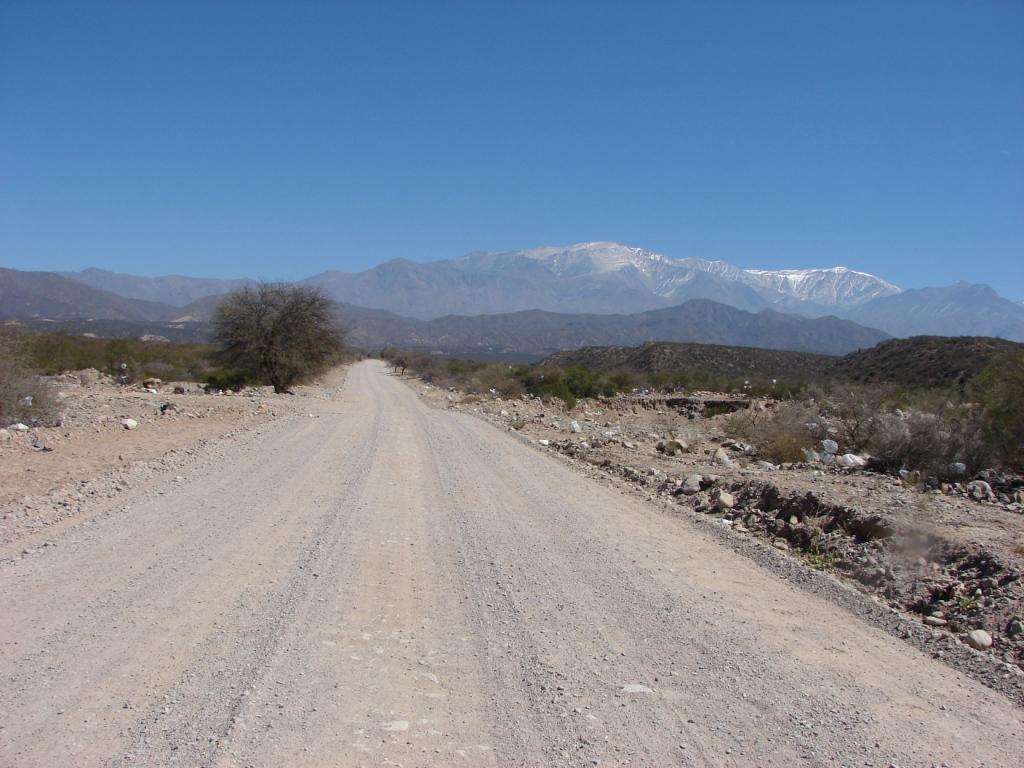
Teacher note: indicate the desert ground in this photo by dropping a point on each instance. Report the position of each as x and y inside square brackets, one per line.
[374, 572]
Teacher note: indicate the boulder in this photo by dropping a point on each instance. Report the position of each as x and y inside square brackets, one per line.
[18, 427]
[958, 468]
[721, 457]
[829, 446]
[574, 426]
[129, 423]
[979, 490]
[724, 500]
[691, 485]
[979, 639]
[851, 461]
[671, 447]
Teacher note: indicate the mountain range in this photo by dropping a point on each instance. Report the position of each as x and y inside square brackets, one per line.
[556, 297]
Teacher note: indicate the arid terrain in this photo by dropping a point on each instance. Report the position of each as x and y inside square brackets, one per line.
[378, 572]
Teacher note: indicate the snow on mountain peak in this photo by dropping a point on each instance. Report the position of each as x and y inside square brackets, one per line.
[833, 287]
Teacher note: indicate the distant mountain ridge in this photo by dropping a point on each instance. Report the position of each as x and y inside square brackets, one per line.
[46, 299]
[176, 290]
[604, 278]
[594, 278]
[536, 333]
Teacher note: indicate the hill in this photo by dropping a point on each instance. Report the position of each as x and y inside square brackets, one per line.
[922, 361]
[712, 358]
[537, 334]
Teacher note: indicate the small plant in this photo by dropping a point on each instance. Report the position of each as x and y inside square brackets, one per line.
[822, 561]
[966, 603]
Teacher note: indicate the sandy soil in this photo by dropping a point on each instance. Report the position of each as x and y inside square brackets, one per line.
[378, 582]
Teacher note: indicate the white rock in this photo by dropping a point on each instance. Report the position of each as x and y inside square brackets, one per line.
[852, 461]
[829, 446]
[636, 688]
[19, 427]
[722, 458]
[574, 426]
[129, 423]
[544, 442]
[979, 639]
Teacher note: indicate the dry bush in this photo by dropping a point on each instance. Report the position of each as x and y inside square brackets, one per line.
[780, 434]
[929, 442]
[500, 378]
[24, 396]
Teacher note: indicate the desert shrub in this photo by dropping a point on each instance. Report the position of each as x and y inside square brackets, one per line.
[500, 378]
[929, 442]
[58, 352]
[999, 389]
[24, 396]
[780, 434]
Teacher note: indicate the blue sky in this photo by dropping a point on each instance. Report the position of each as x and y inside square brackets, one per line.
[281, 139]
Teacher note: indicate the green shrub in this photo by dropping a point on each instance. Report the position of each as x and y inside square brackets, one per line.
[999, 389]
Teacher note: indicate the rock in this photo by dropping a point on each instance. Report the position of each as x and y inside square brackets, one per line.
[979, 490]
[721, 457]
[691, 485]
[935, 621]
[179, 390]
[18, 427]
[574, 426]
[810, 456]
[958, 468]
[725, 500]
[544, 442]
[1015, 627]
[766, 465]
[671, 447]
[851, 461]
[829, 446]
[5, 435]
[89, 376]
[636, 688]
[129, 423]
[979, 639]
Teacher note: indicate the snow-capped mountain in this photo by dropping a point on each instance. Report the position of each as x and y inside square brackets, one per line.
[814, 291]
[833, 287]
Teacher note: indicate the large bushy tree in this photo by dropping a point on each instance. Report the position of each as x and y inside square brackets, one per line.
[278, 333]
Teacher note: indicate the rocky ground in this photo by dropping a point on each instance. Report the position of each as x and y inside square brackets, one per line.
[111, 438]
[948, 558]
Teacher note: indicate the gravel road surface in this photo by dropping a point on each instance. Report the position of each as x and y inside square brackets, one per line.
[381, 583]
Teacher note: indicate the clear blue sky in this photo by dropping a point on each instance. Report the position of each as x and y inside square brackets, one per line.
[281, 139]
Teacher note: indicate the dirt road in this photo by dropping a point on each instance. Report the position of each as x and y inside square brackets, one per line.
[380, 583]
